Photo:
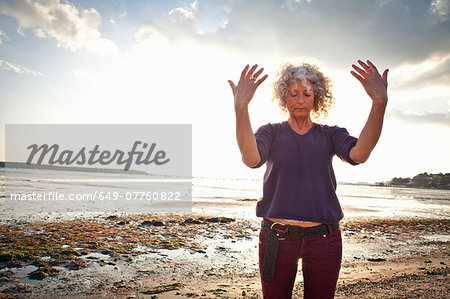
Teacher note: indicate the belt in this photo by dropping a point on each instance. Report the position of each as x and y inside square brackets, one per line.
[289, 232]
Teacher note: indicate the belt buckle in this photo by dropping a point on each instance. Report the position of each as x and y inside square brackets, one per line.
[280, 230]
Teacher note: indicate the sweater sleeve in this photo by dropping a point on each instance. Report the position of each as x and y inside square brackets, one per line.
[264, 137]
[343, 142]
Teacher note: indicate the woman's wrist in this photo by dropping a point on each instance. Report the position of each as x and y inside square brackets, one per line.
[380, 101]
[241, 107]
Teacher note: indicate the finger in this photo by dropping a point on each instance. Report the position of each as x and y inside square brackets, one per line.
[363, 73]
[385, 75]
[261, 80]
[250, 72]
[232, 85]
[365, 66]
[372, 66]
[258, 73]
[361, 79]
[244, 71]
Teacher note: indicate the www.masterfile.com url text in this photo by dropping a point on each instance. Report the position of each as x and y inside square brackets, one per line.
[97, 195]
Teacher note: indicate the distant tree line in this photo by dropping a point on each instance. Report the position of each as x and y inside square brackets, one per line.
[423, 180]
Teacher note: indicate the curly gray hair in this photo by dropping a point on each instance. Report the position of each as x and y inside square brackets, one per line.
[323, 97]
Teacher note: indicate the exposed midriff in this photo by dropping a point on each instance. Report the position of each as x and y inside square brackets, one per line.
[295, 222]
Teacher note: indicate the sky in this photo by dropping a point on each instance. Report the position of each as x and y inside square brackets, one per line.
[168, 62]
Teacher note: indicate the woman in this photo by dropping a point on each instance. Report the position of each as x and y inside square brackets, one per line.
[300, 209]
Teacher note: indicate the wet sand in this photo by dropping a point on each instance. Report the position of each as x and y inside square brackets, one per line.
[205, 256]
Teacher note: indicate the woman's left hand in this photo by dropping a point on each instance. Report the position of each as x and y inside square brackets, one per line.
[374, 84]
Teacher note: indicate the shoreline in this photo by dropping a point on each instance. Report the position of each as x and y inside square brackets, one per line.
[169, 256]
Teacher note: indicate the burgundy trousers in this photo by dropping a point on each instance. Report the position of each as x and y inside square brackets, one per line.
[321, 262]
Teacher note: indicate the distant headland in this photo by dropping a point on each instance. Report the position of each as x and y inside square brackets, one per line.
[423, 180]
[67, 168]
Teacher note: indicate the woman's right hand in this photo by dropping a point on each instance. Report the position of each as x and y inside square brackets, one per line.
[245, 89]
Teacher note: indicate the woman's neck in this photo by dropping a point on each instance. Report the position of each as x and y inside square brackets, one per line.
[300, 125]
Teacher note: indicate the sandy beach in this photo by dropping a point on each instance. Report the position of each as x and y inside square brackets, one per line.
[206, 256]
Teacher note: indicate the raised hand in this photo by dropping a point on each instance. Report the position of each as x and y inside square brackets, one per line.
[374, 84]
[245, 89]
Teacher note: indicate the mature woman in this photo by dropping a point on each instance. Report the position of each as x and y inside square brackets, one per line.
[300, 209]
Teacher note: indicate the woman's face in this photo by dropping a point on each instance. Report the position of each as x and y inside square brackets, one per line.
[300, 98]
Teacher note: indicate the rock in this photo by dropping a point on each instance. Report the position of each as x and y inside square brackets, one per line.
[77, 264]
[376, 260]
[220, 220]
[192, 221]
[163, 288]
[153, 223]
[106, 252]
[43, 272]
[120, 284]
[217, 291]
[72, 252]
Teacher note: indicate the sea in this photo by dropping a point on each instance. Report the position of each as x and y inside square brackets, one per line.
[119, 194]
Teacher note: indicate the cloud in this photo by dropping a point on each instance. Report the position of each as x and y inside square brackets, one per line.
[71, 28]
[180, 22]
[431, 72]
[3, 37]
[12, 67]
[442, 9]
[420, 118]
[391, 33]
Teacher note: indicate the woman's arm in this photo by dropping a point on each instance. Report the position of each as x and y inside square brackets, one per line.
[245, 138]
[243, 93]
[376, 87]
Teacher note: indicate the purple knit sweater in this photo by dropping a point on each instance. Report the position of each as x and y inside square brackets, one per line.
[299, 181]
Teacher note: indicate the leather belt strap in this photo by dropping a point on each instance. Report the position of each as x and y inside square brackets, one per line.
[279, 231]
